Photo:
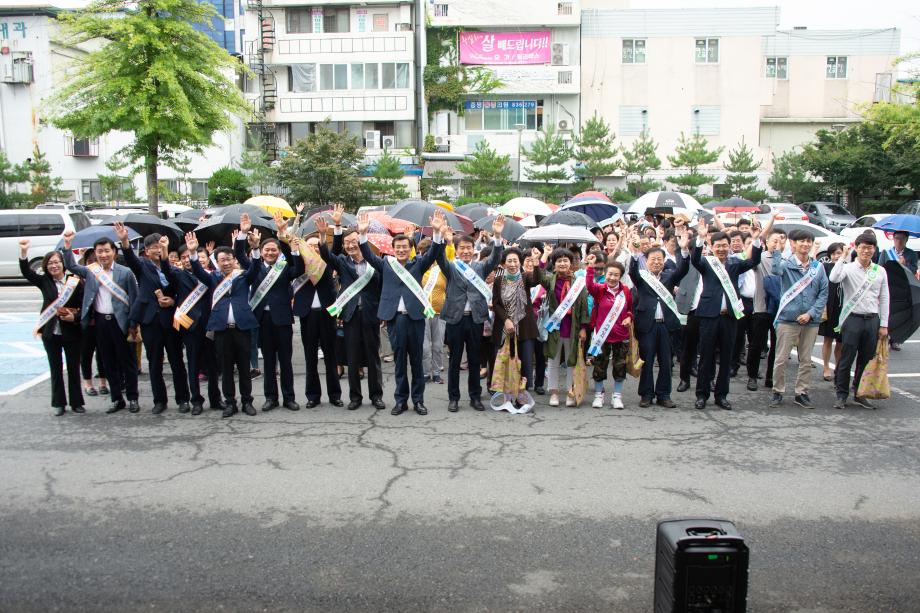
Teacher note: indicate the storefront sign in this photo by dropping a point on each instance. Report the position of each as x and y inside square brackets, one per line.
[505, 47]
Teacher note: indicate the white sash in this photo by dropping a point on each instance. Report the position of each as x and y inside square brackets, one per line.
[555, 321]
[797, 288]
[725, 280]
[663, 293]
[180, 317]
[601, 334]
[70, 286]
[108, 282]
[223, 288]
[470, 275]
[266, 285]
[409, 281]
[871, 276]
[351, 291]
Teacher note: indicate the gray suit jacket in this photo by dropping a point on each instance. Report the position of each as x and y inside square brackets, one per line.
[122, 276]
[687, 290]
[459, 290]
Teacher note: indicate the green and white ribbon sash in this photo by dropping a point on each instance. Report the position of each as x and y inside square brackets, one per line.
[797, 288]
[70, 286]
[223, 288]
[601, 334]
[433, 273]
[274, 273]
[351, 291]
[180, 317]
[733, 299]
[666, 297]
[871, 276]
[410, 282]
[555, 320]
[478, 282]
[108, 282]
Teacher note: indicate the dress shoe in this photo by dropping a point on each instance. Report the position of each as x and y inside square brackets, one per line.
[476, 403]
[645, 402]
[158, 408]
[291, 405]
[184, 407]
[229, 409]
[399, 408]
[78, 409]
[752, 384]
[724, 403]
[666, 403]
[354, 404]
[420, 408]
[453, 406]
[197, 408]
[116, 406]
[378, 403]
[693, 372]
[269, 405]
[700, 404]
[311, 404]
[337, 402]
[540, 390]
[133, 406]
[248, 409]
[58, 411]
[683, 386]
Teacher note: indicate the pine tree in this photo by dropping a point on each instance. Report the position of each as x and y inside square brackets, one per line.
[640, 159]
[740, 180]
[10, 175]
[254, 164]
[691, 154]
[114, 185]
[385, 185]
[45, 188]
[595, 153]
[546, 156]
[488, 176]
[434, 185]
[227, 186]
[155, 77]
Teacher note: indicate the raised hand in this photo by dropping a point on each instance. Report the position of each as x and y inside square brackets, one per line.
[121, 233]
[295, 244]
[280, 222]
[322, 226]
[255, 237]
[337, 210]
[191, 241]
[437, 222]
[590, 259]
[245, 223]
[210, 246]
[448, 233]
[23, 248]
[363, 223]
[683, 242]
[67, 237]
[164, 245]
[301, 206]
[233, 236]
[702, 230]
[498, 225]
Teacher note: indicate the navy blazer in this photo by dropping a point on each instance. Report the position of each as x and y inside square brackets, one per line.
[122, 275]
[303, 300]
[910, 256]
[647, 300]
[70, 331]
[146, 309]
[711, 299]
[238, 296]
[185, 282]
[393, 289]
[348, 274]
[279, 296]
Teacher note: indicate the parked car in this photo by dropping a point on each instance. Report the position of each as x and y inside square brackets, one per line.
[823, 236]
[67, 206]
[910, 208]
[828, 215]
[784, 210]
[865, 223]
[167, 210]
[43, 227]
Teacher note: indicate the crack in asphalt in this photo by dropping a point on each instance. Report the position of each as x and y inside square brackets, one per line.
[689, 493]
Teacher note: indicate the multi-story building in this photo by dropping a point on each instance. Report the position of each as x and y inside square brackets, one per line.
[533, 48]
[728, 74]
[226, 27]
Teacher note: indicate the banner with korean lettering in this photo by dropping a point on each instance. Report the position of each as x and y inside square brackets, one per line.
[505, 47]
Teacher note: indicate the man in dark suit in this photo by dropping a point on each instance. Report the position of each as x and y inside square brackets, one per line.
[153, 310]
[900, 252]
[270, 299]
[402, 309]
[719, 308]
[231, 320]
[359, 314]
[656, 321]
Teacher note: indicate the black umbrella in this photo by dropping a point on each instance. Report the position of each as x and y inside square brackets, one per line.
[219, 228]
[146, 224]
[568, 218]
[309, 226]
[420, 212]
[904, 305]
[236, 209]
[85, 238]
[475, 211]
[510, 232]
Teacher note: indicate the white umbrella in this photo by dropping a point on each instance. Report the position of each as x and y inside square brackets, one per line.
[675, 201]
[528, 222]
[523, 205]
[559, 233]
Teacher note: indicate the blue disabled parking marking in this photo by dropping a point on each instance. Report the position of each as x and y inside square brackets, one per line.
[22, 356]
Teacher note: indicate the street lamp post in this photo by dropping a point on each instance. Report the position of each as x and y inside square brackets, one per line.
[520, 130]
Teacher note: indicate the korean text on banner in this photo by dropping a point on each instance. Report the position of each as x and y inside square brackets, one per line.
[505, 47]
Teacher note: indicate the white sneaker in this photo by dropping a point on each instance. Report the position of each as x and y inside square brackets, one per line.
[569, 401]
[617, 402]
[598, 401]
[554, 400]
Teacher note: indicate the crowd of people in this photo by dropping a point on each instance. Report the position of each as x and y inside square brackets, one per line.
[703, 299]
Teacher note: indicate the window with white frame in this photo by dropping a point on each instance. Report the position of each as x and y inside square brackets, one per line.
[440, 10]
[564, 8]
[777, 68]
[707, 51]
[837, 67]
[633, 50]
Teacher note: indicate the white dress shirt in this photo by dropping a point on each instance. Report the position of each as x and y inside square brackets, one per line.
[851, 276]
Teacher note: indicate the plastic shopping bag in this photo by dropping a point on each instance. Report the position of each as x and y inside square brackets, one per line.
[874, 382]
[633, 361]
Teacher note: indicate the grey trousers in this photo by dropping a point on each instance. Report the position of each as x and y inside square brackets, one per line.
[433, 348]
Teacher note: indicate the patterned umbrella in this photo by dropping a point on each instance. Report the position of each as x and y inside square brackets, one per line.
[382, 242]
[664, 200]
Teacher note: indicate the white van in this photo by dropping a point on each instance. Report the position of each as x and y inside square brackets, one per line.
[43, 227]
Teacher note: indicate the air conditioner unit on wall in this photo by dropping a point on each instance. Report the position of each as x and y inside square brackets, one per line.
[563, 125]
[560, 54]
[389, 142]
[372, 139]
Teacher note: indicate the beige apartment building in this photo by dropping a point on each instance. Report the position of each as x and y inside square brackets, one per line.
[727, 73]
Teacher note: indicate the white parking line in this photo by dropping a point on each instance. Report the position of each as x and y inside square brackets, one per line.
[24, 386]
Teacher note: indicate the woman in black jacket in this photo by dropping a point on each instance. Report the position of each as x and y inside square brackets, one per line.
[59, 324]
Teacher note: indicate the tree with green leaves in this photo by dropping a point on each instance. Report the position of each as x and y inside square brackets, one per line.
[385, 184]
[115, 185]
[741, 166]
[692, 153]
[10, 175]
[435, 184]
[899, 118]
[639, 160]
[228, 186]
[488, 176]
[45, 186]
[791, 180]
[323, 169]
[259, 175]
[154, 76]
[546, 157]
[595, 153]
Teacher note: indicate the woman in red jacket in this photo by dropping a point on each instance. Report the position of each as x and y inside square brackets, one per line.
[610, 296]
